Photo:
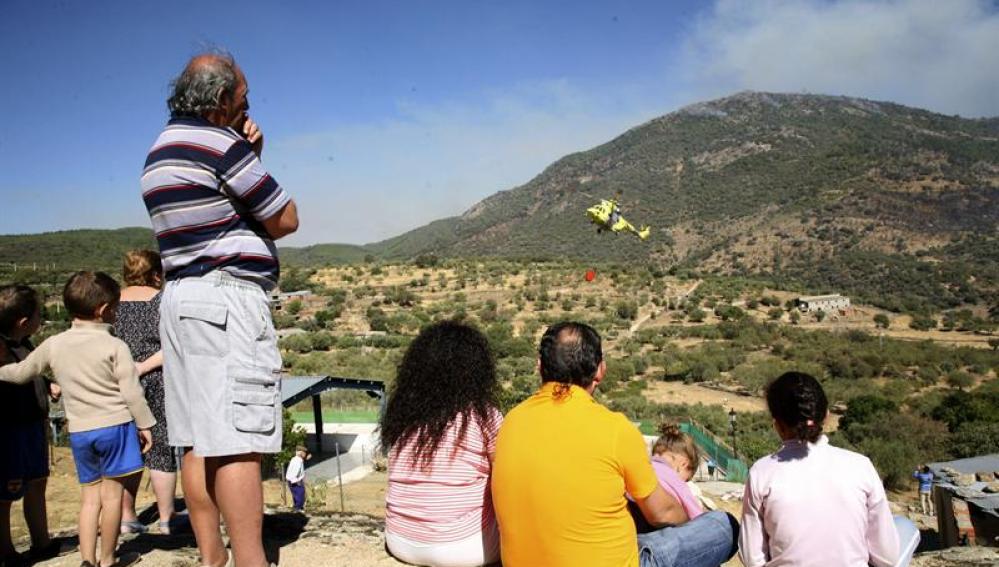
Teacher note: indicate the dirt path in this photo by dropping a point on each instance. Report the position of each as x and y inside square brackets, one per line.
[680, 393]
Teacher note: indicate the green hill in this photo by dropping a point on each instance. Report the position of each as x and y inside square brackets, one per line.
[895, 206]
[70, 250]
[323, 254]
[102, 249]
[828, 193]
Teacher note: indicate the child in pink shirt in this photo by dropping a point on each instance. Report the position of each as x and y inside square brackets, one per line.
[675, 459]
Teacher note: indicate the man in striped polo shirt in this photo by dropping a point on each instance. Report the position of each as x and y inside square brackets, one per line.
[216, 213]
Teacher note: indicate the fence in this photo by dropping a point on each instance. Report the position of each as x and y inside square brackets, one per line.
[735, 469]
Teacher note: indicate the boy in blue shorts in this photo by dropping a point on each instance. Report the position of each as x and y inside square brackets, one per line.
[104, 407]
[24, 464]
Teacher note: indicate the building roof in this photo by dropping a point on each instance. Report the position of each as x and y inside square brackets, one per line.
[989, 503]
[822, 297]
[297, 388]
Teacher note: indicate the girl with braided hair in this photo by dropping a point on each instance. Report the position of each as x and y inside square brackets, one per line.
[675, 459]
[812, 504]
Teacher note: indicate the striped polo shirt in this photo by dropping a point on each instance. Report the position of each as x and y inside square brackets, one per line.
[450, 500]
[207, 194]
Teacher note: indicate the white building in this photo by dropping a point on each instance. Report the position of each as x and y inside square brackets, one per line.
[826, 303]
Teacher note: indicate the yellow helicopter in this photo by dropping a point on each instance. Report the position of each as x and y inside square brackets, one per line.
[607, 216]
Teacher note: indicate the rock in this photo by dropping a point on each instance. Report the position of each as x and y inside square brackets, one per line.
[958, 557]
[985, 476]
[991, 488]
[965, 480]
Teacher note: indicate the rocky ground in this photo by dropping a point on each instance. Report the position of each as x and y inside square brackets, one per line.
[329, 537]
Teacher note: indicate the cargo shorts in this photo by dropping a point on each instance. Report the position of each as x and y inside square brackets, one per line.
[221, 366]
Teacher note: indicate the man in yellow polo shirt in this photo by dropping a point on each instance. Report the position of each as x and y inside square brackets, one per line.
[563, 465]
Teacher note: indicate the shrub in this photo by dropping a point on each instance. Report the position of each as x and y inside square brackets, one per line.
[975, 438]
[960, 379]
[275, 463]
[863, 409]
[881, 321]
[895, 454]
[922, 323]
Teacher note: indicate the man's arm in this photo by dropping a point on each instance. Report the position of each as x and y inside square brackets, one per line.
[661, 509]
[246, 180]
[284, 222]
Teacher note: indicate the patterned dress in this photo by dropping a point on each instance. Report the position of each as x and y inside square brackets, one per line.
[139, 326]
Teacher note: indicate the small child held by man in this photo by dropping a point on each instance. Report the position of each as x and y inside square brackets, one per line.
[106, 412]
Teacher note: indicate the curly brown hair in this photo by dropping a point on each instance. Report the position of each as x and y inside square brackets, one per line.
[448, 371]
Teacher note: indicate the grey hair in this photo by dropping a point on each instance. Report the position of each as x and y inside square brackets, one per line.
[200, 88]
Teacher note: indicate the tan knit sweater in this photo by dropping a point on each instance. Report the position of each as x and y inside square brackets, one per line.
[100, 386]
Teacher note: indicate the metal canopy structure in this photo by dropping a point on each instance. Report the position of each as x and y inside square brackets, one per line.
[295, 389]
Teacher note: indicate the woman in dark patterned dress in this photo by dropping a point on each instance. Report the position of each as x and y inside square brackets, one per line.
[138, 325]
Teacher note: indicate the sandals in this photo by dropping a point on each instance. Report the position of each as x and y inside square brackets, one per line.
[174, 523]
[133, 527]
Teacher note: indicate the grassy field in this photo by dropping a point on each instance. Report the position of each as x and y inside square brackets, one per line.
[336, 416]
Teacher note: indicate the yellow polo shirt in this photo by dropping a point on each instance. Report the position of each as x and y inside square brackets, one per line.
[561, 472]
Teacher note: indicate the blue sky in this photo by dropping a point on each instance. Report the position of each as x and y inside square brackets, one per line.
[382, 116]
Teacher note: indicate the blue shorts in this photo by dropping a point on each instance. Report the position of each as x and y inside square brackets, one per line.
[108, 452]
[23, 458]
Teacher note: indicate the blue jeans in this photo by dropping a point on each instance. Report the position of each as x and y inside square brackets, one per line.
[706, 541]
[297, 495]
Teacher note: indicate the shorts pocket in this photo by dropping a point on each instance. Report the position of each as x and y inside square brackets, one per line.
[255, 395]
[203, 325]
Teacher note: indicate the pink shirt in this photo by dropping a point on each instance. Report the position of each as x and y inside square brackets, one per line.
[673, 484]
[815, 505]
[450, 500]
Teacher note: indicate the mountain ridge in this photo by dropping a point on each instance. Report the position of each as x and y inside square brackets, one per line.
[822, 192]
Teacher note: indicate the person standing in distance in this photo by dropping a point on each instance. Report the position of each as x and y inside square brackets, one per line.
[216, 213]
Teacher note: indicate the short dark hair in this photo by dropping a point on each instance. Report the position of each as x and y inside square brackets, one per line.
[85, 292]
[570, 353]
[16, 302]
[798, 401]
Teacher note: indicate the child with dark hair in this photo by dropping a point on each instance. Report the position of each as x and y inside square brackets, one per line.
[24, 464]
[439, 428]
[104, 404]
[814, 504]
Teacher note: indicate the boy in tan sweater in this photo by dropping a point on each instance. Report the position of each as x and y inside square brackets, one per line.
[104, 405]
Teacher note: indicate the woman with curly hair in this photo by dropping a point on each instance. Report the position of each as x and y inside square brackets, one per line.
[439, 429]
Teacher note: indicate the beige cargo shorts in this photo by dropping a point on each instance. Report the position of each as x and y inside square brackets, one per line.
[221, 366]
